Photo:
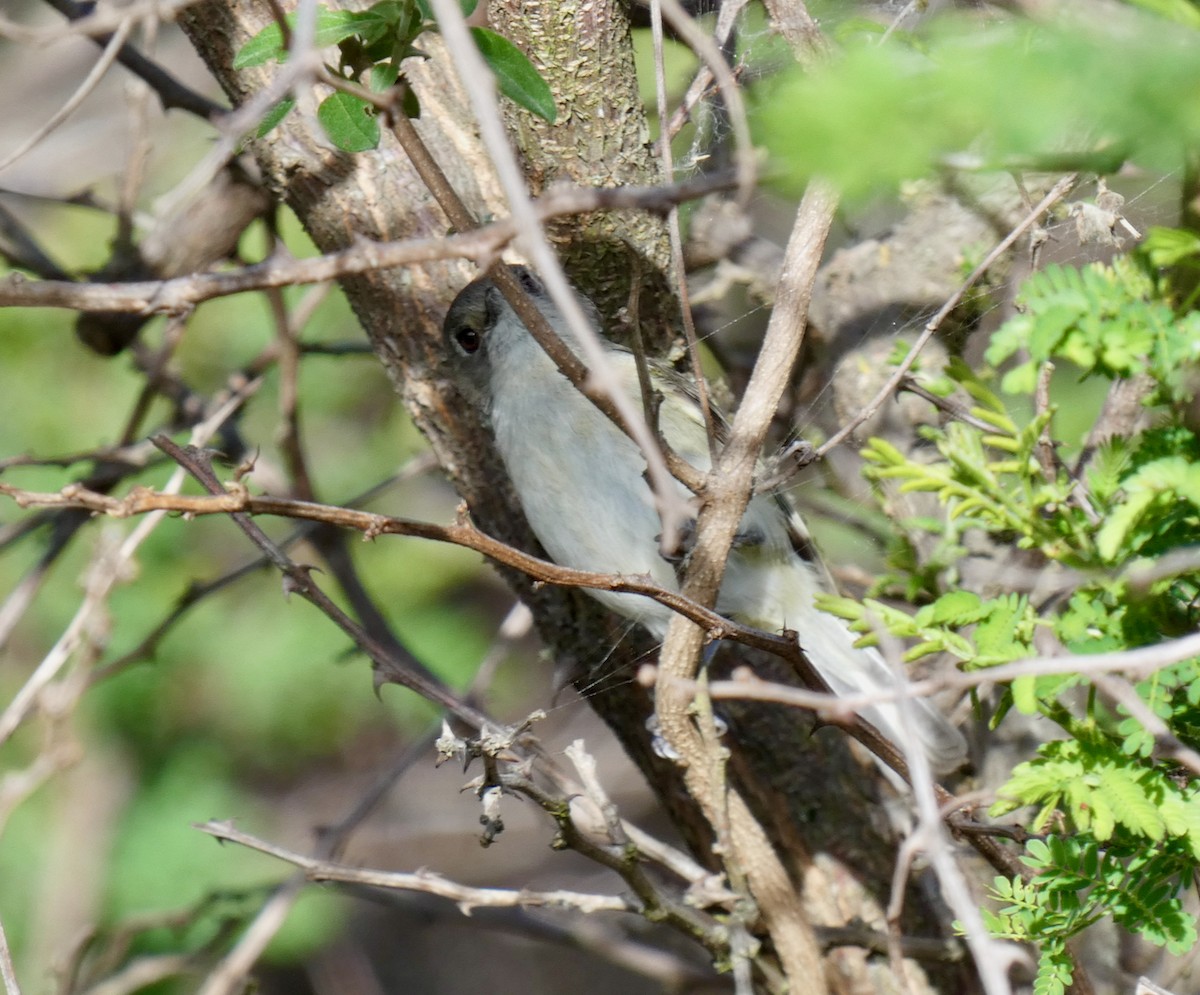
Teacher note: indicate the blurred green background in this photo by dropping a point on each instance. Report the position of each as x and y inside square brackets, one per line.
[253, 706]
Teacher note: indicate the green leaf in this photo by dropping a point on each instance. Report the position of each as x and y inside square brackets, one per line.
[1052, 324]
[332, 27]
[1182, 818]
[383, 76]
[1169, 477]
[519, 80]
[1054, 970]
[1110, 463]
[1169, 246]
[466, 6]
[1120, 523]
[349, 122]
[1024, 692]
[1003, 630]
[386, 18]
[835, 604]
[955, 607]
[1037, 853]
[264, 47]
[1021, 379]
[276, 114]
[1010, 92]
[1180, 11]
[1130, 803]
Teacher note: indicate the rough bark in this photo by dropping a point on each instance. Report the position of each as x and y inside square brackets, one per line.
[600, 139]
[810, 794]
[340, 198]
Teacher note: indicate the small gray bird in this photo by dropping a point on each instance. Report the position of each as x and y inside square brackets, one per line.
[581, 483]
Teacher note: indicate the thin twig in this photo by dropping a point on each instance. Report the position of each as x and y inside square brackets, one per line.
[676, 239]
[111, 50]
[404, 670]
[182, 293]
[196, 593]
[75, 633]
[20, 248]
[726, 20]
[1140, 663]
[659, 902]
[745, 161]
[1057, 192]
[229, 976]
[142, 501]
[100, 21]
[8, 973]
[1165, 741]
[302, 66]
[959, 412]
[728, 493]
[235, 499]
[171, 92]
[466, 897]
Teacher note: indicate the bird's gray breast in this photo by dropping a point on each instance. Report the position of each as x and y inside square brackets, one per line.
[579, 478]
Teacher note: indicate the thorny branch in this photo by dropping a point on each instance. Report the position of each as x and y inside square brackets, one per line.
[182, 293]
[235, 500]
[158, 296]
[300, 581]
[1057, 192]
[467, 898]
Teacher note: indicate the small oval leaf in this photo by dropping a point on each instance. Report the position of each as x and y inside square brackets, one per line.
[275, 115]
[332, 27]
[516, 75]
[348, 122]
[383, 76]
[261, 49]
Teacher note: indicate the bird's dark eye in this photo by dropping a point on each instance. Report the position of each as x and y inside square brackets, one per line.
[469, 340]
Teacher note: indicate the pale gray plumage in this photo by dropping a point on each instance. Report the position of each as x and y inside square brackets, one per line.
[581, 485]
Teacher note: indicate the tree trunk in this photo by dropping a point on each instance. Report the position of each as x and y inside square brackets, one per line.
[811, 795]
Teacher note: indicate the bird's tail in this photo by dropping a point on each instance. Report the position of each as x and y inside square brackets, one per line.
[849, 669]
[782, 597]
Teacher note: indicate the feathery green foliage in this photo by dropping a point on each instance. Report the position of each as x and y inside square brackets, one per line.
[1115, 521]
[1011, 94]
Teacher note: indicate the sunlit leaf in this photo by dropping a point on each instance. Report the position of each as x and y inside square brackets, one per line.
[275, 115]
[517, 77]
[332, 26]
[349, 122]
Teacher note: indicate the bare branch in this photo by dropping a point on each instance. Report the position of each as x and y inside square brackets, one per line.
[728, 493]
[467, 898]
[8, 973]
[405, 670]
[50, 666]
[710, 54]
[235, 499]
[97, 23]
[89, 84]
[1139, 663]
[1057, 192]
[229, 977]
[180, 294]
[171, 92]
